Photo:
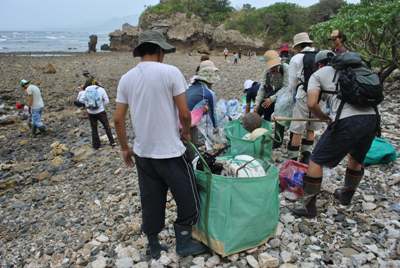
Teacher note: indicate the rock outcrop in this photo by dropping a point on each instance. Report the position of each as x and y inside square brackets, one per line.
[125, 39]
[188, 33]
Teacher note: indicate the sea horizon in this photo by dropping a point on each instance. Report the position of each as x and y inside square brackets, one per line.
[48, 41]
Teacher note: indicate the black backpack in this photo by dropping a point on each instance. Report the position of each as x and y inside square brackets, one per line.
[356, 84]
[309, 67]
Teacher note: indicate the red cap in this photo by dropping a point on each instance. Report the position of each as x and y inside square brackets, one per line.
[284, 47]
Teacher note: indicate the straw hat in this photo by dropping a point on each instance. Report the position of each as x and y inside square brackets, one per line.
[301, 38]
[272, 58]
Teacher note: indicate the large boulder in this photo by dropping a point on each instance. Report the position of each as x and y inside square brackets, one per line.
[125, 39]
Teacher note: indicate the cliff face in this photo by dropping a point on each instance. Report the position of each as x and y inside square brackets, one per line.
[187, 33]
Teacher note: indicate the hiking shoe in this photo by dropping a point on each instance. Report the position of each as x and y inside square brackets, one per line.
[185, 245]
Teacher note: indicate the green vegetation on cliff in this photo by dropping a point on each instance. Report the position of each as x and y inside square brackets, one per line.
[278, 22]
[210, 11]
[372, 28]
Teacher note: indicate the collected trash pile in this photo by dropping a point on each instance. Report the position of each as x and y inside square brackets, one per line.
[238, 184]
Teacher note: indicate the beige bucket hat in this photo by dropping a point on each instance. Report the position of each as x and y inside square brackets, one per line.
[301, 38]
[208, 72]
[272, 58]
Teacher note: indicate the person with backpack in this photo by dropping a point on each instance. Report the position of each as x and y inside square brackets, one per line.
[95, 99]
[35, 104]
[274, 79]
[352, 92]
[301, 67]
[154, 93]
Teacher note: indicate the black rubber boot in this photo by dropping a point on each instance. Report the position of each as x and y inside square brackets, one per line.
[351, 182]
[42, 130]
[311, 186]
[306, 148]
[154, 247]
[293, 152]
[185, 245]
[279, 133]
[34, 131]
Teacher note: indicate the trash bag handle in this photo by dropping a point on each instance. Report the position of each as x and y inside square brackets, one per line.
[208, 191]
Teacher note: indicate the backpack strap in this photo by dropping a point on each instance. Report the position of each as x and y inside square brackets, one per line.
[378, 123]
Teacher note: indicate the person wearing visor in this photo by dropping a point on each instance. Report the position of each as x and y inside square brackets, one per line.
[154, 94]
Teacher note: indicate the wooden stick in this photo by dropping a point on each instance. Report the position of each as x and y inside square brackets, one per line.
[282, 118]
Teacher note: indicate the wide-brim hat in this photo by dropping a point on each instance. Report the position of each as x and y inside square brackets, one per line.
[208, 64]
[270, 54]
[273, 62]
[301, 38]
[153, 37]
[208, 75]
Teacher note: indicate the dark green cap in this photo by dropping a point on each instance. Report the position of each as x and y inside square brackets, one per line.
[154, 37]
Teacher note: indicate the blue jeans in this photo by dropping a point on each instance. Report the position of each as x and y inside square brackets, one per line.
[37, 117]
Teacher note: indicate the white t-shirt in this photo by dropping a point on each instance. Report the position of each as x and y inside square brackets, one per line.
[103, 95]
[322, 79]
[34, 91]
[149, 89]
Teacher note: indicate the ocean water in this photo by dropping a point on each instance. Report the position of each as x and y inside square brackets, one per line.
[46, 41]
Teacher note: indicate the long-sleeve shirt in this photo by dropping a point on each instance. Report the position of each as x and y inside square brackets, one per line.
[199, 91]
[261, 92]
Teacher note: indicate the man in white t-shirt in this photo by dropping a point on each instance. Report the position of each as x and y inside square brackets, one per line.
[353, 132]
[36, 105]
[154, 93]
[95, 98]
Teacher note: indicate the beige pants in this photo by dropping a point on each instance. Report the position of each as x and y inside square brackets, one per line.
[301, 110]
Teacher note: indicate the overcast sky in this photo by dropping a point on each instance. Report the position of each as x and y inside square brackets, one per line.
[45, 14]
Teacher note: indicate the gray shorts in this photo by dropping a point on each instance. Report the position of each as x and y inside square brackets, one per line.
[301, 110]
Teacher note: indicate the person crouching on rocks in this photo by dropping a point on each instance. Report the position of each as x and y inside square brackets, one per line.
[95, 99]
[36, 105]
[154, 93]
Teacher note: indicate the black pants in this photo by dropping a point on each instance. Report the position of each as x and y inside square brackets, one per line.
[102, 117]
[156, 176]
[352, 135]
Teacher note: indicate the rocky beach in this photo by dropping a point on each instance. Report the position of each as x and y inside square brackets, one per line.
[64, 205]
